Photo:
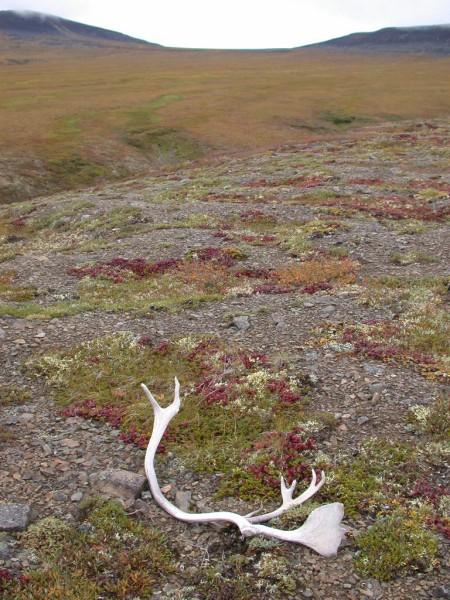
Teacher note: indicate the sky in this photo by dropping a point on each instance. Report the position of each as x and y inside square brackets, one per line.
[241, 23]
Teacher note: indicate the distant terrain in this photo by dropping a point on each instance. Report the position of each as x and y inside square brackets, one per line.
[55, 30]
[101, 106]
[430, 38]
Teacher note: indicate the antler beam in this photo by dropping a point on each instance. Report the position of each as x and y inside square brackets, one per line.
[322, 530]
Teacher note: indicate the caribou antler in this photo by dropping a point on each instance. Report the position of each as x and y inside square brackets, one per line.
[322, 530]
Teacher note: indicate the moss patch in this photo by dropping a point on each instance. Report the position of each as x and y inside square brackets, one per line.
[394, 546]
[109, 555]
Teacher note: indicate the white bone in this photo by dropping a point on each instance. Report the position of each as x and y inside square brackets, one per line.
[322, 531]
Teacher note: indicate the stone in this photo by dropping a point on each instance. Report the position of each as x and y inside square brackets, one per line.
[60, 496]
[442, 591]
[183, 500]
[5, 548]
[70, 443]
[14, 517]
[118, 483]
[241, 322]
[377, 388]
[76, 497]
[362, 420]
[2, 334]
[371, 369]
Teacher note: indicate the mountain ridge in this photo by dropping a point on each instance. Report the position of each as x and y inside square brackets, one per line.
[421, 38]
[32, 26]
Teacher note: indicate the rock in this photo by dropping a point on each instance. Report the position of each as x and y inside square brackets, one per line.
[241, 322]
[362, 420]
[5, 548]
[324, 300]
[70, 443]
[2, 334]
[377, 388]
[279, 320]
[60, 496]
[76, 497]
[183, 500]
[371, 369]
[14, 517]
[118, 483]
[327, 310]
[442, 592]
[26, 417]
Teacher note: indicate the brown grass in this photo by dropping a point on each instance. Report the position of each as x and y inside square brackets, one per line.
[317, 271]
[83, 109]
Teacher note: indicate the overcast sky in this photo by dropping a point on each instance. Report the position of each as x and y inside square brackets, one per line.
[241, 23]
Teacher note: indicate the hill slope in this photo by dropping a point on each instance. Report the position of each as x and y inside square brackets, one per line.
[433, 38]
[33, 25]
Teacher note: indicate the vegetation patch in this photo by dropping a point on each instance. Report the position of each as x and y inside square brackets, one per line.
[12, 293]
[396, 545]
[237, 417]
[419, 335]
[107, 555]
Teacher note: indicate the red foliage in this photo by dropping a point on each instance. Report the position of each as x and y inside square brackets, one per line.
[223, 235]
[316, 287]
[118, 268]
[431, 491]
[262, 239]
[19, 223]
[218, 255]
[281, 387]
[145, 341]
[384, 350]
[7, 576]
[283, 454]
[89, 409]
[249, 359]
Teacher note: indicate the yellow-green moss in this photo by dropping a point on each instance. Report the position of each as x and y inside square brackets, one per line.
[395, 545]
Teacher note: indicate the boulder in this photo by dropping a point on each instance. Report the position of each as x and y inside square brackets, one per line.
[118, 483]
[14, 517]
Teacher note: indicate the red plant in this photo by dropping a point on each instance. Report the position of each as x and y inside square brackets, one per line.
[281, 387]
[317, 287]
[7, 577]
[117, 269]
[281, 453]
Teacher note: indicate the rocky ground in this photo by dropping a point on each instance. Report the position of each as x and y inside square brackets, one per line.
[347, 245]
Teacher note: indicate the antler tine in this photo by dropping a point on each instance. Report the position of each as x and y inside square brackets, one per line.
[288, 500]
[152, 399]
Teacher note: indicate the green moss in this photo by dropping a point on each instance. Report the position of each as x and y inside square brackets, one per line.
[408, 258]
[376, 476]
[74, 170]
[433, 420]
[13, 394]
[31, 310]
[164, 144]
[395, 545]
[110, 556]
